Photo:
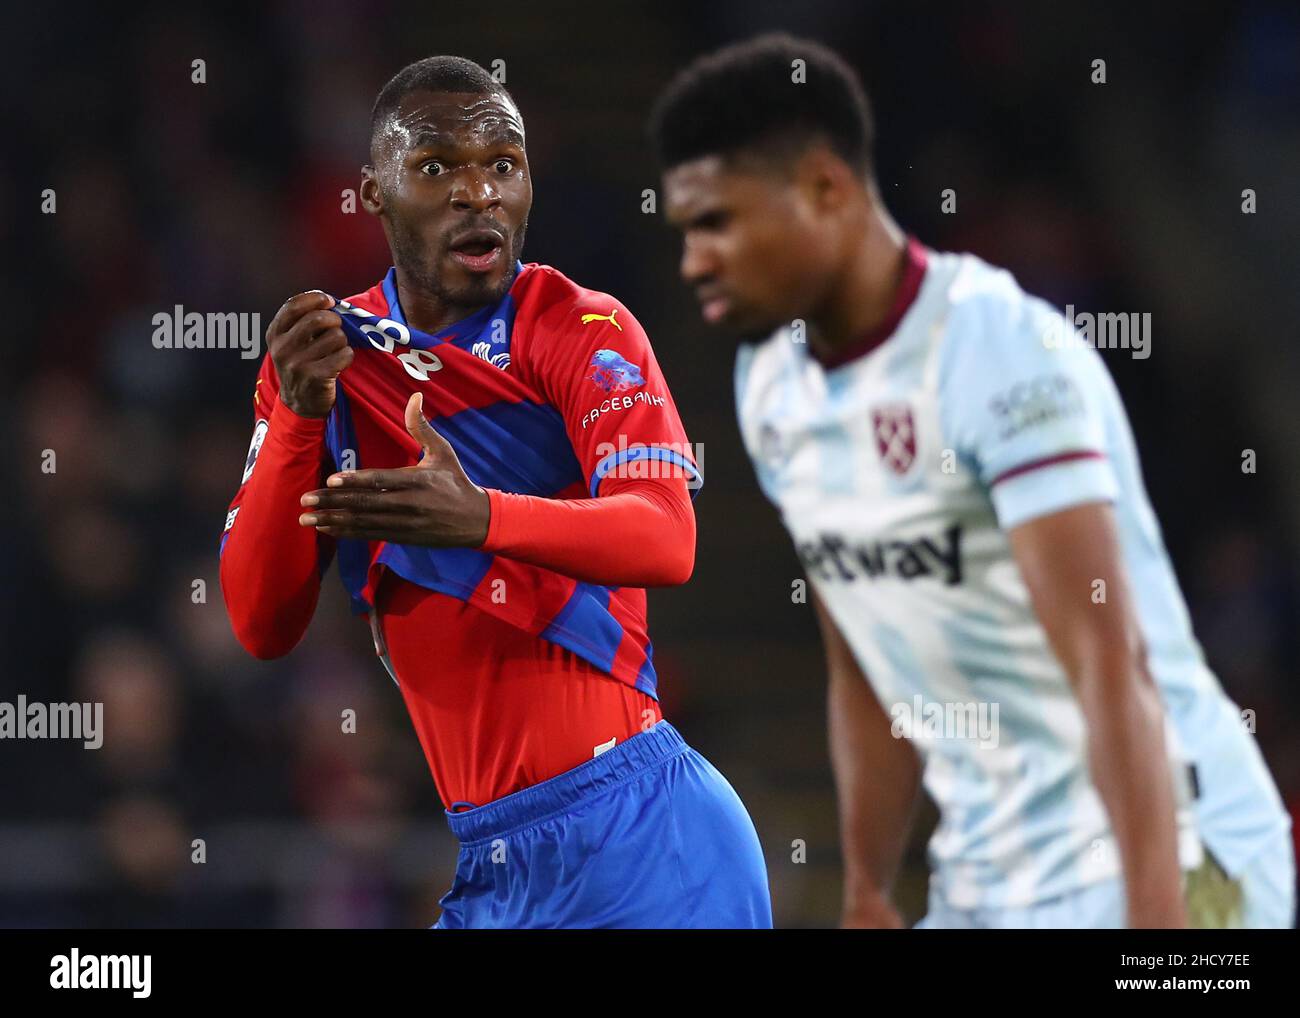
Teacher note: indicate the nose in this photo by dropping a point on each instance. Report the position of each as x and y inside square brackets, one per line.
[699, 262]
[474, 191]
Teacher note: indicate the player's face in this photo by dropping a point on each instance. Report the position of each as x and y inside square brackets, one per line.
[755, 249]
[450, 182]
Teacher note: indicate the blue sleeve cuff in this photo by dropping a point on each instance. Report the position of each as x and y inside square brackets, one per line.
[694, 479]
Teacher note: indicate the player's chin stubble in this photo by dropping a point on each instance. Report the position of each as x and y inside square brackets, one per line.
[419, 264]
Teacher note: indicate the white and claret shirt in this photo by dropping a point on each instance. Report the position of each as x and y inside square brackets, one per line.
[898, 474]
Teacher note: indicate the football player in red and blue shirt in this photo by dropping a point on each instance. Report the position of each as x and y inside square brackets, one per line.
[492, 453]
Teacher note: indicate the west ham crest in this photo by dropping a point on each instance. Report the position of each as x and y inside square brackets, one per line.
[895, 436]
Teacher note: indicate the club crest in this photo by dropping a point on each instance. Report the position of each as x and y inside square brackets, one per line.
[895, 436]
[614, 374]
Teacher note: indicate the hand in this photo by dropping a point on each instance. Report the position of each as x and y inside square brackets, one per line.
[309, 350]
[432, 503]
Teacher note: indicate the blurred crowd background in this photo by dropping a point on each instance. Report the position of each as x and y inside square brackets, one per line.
[226, 196]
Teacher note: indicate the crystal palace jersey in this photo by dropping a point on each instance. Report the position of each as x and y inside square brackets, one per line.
[898, 475]
[537, 395]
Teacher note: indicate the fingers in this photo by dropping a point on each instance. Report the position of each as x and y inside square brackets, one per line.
[415, 420]
[315, 333]
[333, 364]
[309, 349]
[377, 480]
[295, 307]
[368, 526]
[436, 448]
[360, 534]
[363, 500]
[300, 303]
[305, 330]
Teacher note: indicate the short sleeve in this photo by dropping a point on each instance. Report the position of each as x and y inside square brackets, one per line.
[745, 356]
[593, 362]
[1025, 403]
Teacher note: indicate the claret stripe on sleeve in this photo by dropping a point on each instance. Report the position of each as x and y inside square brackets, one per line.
[1049, 461]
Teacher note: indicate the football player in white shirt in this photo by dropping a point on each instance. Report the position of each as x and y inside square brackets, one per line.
[956, 469]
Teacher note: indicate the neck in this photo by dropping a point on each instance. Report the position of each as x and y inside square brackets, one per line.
[861, 298]
[429, 312]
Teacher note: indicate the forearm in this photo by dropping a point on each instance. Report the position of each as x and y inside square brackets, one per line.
[1129, 766]
[876, 783]
[877, 777]
[270, 566]
[640, 535]
[1100, 645]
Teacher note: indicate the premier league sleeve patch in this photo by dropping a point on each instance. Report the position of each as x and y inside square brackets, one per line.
[254, 447]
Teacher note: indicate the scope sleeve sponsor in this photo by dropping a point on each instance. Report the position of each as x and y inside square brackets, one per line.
[1033, 421]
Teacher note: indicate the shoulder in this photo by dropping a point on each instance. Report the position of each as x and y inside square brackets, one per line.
[983, 299]
[996, 329]
[544, 293]
[559, 323]
[1014, 380]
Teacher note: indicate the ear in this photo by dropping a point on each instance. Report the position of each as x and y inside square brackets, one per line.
[826, 179]
[372, 195]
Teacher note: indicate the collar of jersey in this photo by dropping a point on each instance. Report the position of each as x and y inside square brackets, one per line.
[462, 332]
[915, 264]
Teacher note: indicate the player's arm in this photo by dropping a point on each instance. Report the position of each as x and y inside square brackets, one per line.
[877, 778]
[635, 531]
[638, 533]
[1065, 558]
[271, 566]
[1040, 422]
[638, 527]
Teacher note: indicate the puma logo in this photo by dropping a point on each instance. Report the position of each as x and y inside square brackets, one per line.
[588, 319]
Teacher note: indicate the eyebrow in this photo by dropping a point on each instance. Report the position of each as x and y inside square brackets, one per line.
[427, 137]
[688, 213]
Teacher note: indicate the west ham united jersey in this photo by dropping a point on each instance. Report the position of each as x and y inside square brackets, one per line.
[898, 476]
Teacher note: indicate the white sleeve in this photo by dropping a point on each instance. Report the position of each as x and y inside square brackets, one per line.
[750, 431]
[1026, 403]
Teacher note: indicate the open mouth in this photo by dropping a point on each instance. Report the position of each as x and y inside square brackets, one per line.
[478, 251]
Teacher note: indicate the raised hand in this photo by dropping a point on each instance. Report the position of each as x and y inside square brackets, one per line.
[432, 503]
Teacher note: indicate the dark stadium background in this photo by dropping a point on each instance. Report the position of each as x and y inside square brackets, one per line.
[226, 197]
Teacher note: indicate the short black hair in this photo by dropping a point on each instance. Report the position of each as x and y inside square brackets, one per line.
[433, 74]
[744, 98]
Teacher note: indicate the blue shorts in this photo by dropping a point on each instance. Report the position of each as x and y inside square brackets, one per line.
[646, 835]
